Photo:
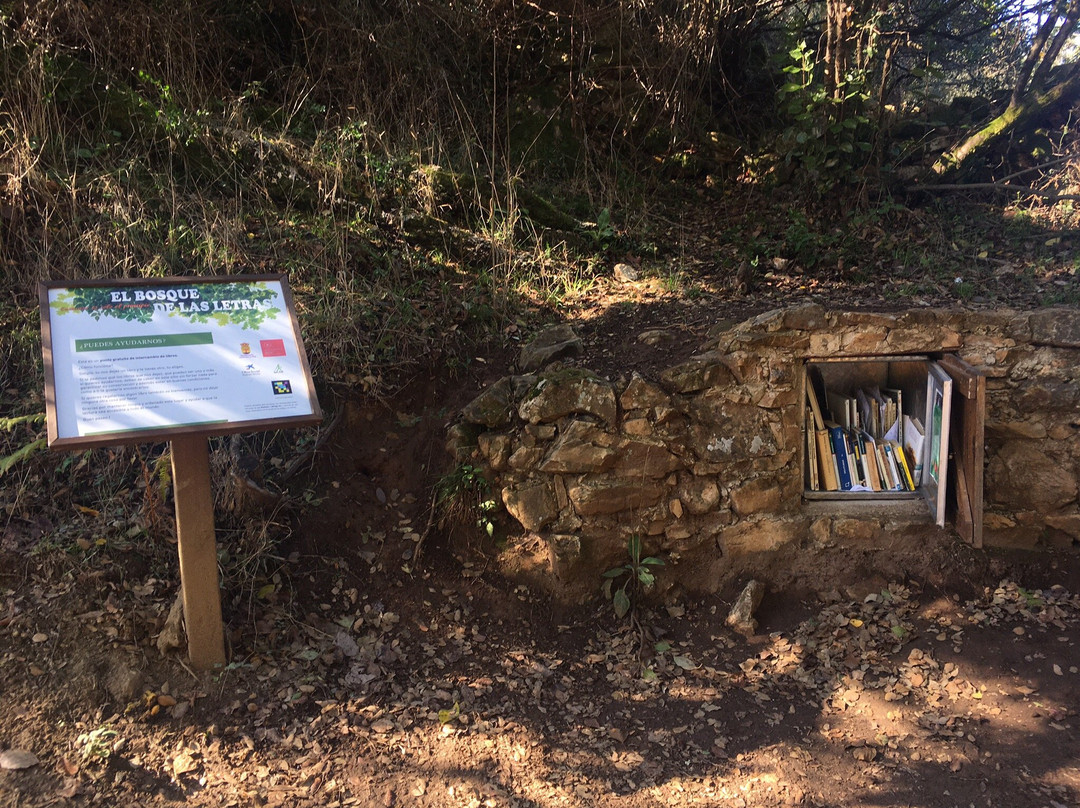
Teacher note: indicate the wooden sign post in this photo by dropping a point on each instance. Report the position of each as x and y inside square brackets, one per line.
[177, 359]
[198, 551]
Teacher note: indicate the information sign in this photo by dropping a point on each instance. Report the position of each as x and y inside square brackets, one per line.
[138, 360]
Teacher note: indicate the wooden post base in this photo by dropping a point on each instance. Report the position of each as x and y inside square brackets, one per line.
[198, 551]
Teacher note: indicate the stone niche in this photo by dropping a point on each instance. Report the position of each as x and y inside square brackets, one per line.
[705, 461]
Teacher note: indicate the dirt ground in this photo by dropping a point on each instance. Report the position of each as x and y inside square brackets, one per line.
[380, 661]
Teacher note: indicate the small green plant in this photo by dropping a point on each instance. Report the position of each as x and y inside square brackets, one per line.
[638, 574]
[603, 231]
[463, 497]
[97, 744]
[25, 450]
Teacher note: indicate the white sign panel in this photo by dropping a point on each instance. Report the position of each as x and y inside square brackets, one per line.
[135, 360]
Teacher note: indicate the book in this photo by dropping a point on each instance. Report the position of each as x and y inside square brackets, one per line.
[895, 472]
[815, 405]
[895, 397]
[913, 444]
[811, 454]
[839, 446]
[902, 465]
[890, 480]
[830, 479]
[869, 454]
[840, 408]
[855, 459]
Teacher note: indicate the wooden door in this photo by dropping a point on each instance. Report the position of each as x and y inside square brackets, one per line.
[967, 442]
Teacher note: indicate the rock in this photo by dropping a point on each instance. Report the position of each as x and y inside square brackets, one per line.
[1022, 476]
[757, 536]
[124, 684]
[172, 636]
[494, 407]
[1066, 523]
[1059, 326]
[757, 496]
[655, 337]
[552, 343]
[14, 759]
[643, 395]
[564, 551]
[582, 448]
[495, 446]
[461, 441]
[569, 392]
[699, 495]
[741, 617]
[644, 458]
[624, 273]
[602, 496]
[532, 504]
[697, 373]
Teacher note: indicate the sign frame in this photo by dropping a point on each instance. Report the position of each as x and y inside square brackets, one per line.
[153, 434]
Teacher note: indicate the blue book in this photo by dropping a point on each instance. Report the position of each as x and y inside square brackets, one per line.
[839, 445]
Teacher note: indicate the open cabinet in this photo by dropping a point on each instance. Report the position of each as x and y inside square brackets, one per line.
[897, 427]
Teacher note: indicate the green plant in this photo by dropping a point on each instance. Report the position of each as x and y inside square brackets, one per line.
[602, 232]
[638, 574]
[98, 744]
[463, 497]
[25, 450]
[827, 137]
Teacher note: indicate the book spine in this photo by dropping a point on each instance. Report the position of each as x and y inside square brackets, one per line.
[839, 446]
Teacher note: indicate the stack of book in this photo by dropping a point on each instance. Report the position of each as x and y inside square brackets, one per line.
[859, 443]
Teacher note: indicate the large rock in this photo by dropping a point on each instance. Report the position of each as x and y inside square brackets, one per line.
[644, 458]
[494, 407]
[643, 395]
[758, 536]
[532, 504]
[581, 449]
[1021, 475]
[757, 496]
[595, 496]
[1059, 327]
[552, 343]
[569, 392]
[697, 373]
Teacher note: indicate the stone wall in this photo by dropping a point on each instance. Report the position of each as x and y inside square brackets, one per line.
[703, 462]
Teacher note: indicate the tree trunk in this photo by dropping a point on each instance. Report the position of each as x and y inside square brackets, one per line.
[1017, 115]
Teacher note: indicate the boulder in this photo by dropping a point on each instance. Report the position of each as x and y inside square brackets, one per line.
[697, 373]
[593, 496]
[566, 393]
[532, 504]
[555, 342]
[1021, 475]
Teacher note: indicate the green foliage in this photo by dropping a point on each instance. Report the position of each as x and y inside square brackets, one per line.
[602, 233]
[98, 744]
[464, 497]
[637, 575]
[828, 136]
[28, 448]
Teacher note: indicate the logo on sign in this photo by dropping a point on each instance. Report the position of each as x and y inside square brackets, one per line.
[245, 348]
[281, 387]
[272, 347]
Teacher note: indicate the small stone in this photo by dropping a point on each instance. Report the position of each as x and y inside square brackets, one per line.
[741, 617]
[39, 637]
[12, 759]
[624, 273]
